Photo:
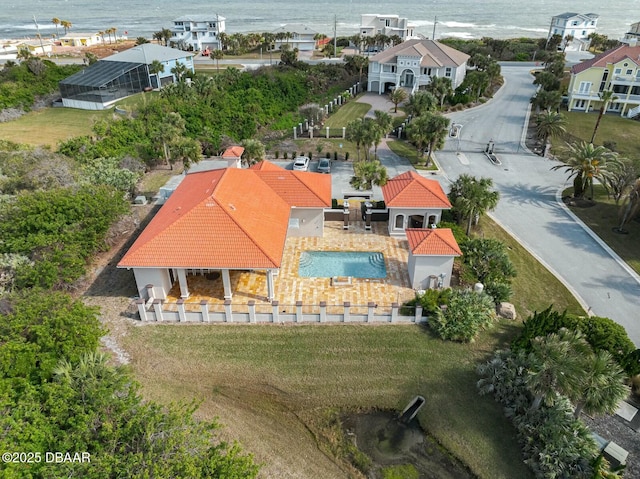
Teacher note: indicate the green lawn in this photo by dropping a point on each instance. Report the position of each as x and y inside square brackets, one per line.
[52, 125]
[407, 150]
[613, 127]
[346, 113]
[602, 218]
[276, 386]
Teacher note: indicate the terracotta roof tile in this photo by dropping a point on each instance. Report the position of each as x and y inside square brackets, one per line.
[221, 218]
[432, 242]
[410, 190]
[233, 152]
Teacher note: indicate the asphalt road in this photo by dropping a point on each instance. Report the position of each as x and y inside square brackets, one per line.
[529, 206]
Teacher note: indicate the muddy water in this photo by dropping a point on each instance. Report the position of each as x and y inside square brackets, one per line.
[388, 442]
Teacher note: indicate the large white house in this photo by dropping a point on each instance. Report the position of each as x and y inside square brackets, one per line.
[296, 35]
[576, 25]
[372, 24]
[633, 34]
[413, 64]
[197, 32]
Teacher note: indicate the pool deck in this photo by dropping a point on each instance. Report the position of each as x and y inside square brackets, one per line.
[290, 287]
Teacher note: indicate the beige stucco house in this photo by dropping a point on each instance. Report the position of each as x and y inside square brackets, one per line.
[412, 64]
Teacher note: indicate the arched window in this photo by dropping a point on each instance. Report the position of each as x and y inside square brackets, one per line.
[399, 223]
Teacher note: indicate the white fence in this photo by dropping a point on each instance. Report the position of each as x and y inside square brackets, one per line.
[158, 311]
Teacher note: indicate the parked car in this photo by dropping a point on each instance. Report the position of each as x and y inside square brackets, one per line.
[324, 166]
[301, 163]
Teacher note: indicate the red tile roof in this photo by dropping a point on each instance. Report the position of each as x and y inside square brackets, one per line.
[233, 152]
[610, 56]
[227, 218]
[432, 242]
[410, 190]
[266, 165]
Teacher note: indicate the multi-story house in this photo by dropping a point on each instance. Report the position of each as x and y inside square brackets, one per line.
[197, 32]
[578, 26]
[413, 64]
[633, 35]
[389, 25]
[295, 35]
[617, 70]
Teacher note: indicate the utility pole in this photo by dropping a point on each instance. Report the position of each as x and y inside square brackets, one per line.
[435, 22]
[335, 38]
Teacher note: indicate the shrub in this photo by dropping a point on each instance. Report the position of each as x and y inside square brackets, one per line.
[498, 291]
[346, 156]
[328, 156]
[310, 155]
[286, 155]
[430, 300]
[276, 154]
[458, 231]
[294, 154]
[464, 316]
[334, 203]
[335, 156]
[487, 259]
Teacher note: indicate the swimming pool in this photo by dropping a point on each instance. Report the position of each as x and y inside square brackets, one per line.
[327, 264]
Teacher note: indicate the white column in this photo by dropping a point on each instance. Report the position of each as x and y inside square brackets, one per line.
[226, 281]
[182, 279]
[270, 287]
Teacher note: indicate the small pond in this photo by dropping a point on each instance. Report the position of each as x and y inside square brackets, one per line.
[389, 442]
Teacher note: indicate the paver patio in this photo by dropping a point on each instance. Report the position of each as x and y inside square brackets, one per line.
[290, 287]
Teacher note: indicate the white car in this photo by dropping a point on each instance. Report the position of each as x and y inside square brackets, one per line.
[301, 163]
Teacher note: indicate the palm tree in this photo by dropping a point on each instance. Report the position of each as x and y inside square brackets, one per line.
[549, 125]
[421, 102]
[397, 96]
[155, 68]
[606, 97]
[601, 386]
[253, 150]
[217, 55]
[356, 132]
[66, 24]
[441, 88]
[472, 197]
[556, 363]
[630, 206]
[586, 162]
[367, 174]
[56, 22]
[547, 100]
[430, 130]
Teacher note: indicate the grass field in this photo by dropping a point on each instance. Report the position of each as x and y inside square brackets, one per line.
[52, 125]
[346, 113]
[408, 151]
[613, 127]
[275, 388]
[602, 218]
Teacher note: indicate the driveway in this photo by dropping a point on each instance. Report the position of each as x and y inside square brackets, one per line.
[530, 208]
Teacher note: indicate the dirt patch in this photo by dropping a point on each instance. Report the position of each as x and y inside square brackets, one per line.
[388, 442]
[578, 202]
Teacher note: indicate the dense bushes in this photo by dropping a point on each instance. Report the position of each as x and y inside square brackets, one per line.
[19, 85]
[600, 333]
[465, 314]
[487, 261]
[58, 230]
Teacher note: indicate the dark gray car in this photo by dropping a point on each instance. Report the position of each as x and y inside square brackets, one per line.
[324, 166]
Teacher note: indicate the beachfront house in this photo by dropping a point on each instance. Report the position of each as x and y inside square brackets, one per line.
[295, 35]
[98, 86]
[617, 70]
[37, 47]
[227, 219]
[574, 29]
[412, 64]
[372, 24]
[197, 32]
[413, 202]
[431, 256]
[633, 35]
[78, 39]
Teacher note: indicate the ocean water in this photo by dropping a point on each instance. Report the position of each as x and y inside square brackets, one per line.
[460, 18]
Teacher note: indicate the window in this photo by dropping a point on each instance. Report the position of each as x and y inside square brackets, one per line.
[425, 71]
[447, 72]
[629, 72]
[584, 32]
[399, 222]
[585, 87]
[575, 22]
[387, 23]
[389, 68]
[617, 71]
[580, 104]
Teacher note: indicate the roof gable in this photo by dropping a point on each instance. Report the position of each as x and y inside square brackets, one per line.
[147, 53]
[609, 57]
[433, 53]
[432, 242]
[410, 190]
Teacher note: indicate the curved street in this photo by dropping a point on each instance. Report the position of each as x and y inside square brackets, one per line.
[530, 208]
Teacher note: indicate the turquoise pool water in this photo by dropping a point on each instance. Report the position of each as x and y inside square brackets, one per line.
[326, 264]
